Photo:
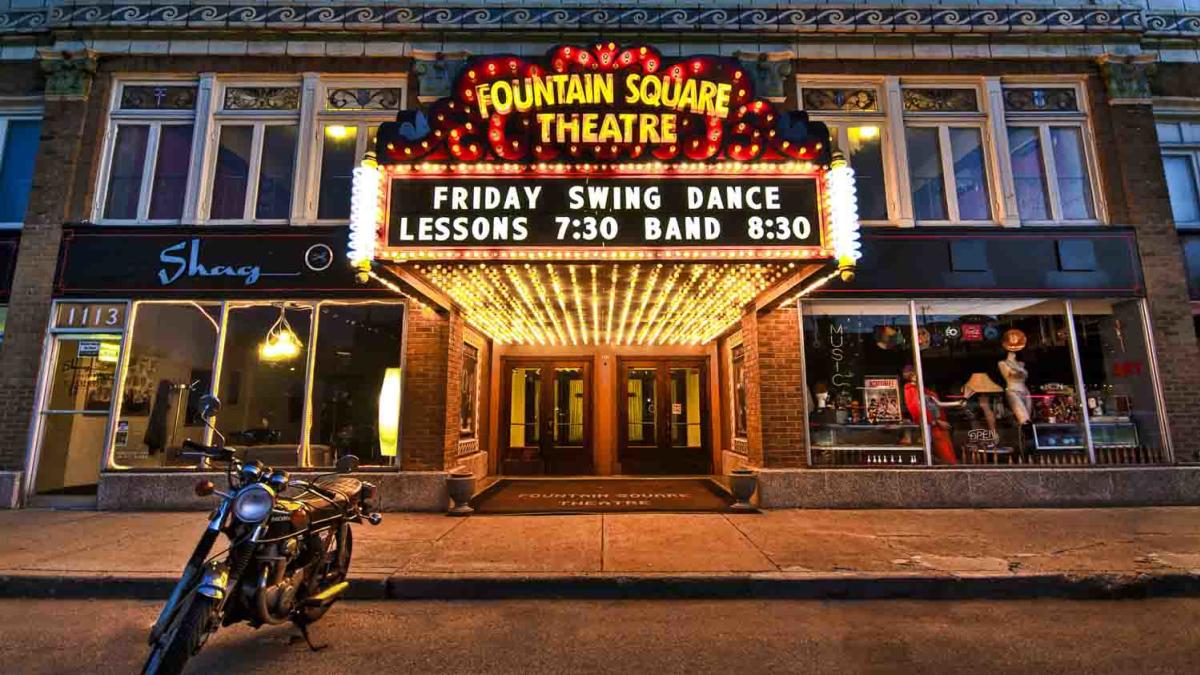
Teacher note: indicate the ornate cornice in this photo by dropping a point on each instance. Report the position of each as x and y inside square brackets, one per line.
[667, 17]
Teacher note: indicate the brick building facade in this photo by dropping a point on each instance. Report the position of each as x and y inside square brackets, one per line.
[1015, 173]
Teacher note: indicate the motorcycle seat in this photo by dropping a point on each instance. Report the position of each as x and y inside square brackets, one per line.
[342, 492]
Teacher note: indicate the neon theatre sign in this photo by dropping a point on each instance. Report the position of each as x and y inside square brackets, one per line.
[604, 153]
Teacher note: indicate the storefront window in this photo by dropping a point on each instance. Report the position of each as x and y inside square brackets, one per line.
[262, 381]
[356, 374]
[858, 358]
[468, 390]
[171, 352]
[1120, 391]
[1000, 382]
[739, 391]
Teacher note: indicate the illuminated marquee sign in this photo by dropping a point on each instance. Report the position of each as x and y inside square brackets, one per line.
[598, 153]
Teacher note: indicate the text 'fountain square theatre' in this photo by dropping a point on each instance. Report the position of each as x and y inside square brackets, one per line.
[604, 260]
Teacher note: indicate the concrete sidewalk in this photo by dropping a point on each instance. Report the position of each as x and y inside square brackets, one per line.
[797, 553]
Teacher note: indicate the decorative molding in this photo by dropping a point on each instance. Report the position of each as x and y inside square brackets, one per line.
[69, 75]
[1127, 79]
[415, 15]
[435, 73]
[769, 70]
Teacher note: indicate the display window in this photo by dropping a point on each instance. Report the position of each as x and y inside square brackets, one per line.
[1119, 383]
[1012, 382]
[1000, 382]
[857, 356]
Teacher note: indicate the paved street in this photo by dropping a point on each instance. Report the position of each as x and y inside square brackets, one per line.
[1033, 636]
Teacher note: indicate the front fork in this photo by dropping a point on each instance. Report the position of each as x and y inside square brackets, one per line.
[190, 572]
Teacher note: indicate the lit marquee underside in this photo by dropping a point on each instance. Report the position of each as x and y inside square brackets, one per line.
[604, 303]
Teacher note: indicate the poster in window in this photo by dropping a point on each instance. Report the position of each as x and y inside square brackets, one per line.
[881, 399]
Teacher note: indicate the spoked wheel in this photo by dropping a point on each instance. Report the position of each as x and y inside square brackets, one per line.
[191, 629]
[334, 570]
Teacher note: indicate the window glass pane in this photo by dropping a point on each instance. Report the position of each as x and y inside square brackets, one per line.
[1120, 388]
[262, 382]
[925, 172]
[1191, 259]
[275, 178]
[467, 390]
[16, 168]
[1074, 188]
[970, 177]
[356, 383]
[125, 171]
[1169, 133]
[523, 455]
[1181, 183]
[866, 157]
[171, 172]
[855, 361]
[171, 347]
[1028, 177]
[337, 167]
[233, 172]
[1000, 383]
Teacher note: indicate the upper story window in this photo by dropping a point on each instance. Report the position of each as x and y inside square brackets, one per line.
[947, 155]
[19, 136]
[1180, 141]
[1047, 142]
[351, 111]
[149, 149]
[257, 128]
[856, 124]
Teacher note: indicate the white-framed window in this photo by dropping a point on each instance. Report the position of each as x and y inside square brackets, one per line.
[349, 112]
[855, 115]
[1053, 168]
[948, 153]
[20, 133]
[146, 175]
[1180, 143]
[253, 157]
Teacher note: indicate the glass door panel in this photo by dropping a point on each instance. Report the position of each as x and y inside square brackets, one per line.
[547, 416]
[523, 455]
[568, 406]
[76, 413]
[641, 405]
[685, 425]
[567, 450]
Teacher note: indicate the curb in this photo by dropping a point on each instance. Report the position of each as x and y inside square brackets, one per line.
[661, 587]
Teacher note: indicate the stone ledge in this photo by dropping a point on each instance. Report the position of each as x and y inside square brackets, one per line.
[173, 491]
[979, 487]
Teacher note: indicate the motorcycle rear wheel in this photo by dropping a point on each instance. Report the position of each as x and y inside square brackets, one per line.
[191, 632]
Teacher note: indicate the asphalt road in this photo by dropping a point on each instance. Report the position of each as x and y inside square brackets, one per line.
[651, 637]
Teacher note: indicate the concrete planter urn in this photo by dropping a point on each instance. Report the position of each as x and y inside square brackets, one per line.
[461, 486]
[743, 483]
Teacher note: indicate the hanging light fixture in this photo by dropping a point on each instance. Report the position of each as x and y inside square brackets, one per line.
[281, 343]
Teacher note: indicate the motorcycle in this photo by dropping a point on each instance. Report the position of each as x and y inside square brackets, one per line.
[288, 555]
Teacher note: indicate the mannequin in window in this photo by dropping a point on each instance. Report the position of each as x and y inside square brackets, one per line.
[1014, 373]
[939, 428]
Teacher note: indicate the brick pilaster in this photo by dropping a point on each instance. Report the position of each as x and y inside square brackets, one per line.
[61, 157]
[781, 388]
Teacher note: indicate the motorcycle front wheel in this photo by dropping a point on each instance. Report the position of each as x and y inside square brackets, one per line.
[192, 629]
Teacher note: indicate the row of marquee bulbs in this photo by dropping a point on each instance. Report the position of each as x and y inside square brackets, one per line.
[616, 304]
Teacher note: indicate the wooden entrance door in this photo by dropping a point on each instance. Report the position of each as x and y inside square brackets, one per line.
[663, 417]
[547, 414]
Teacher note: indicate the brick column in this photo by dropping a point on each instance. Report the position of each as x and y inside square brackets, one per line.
[781, 389]
[68, 84]
[429, 417]
[1137, 183]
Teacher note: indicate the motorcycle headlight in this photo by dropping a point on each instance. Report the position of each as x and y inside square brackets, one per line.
[253, 504]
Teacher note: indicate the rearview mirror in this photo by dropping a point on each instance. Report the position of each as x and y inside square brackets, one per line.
[209, 405]
[346, 464]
